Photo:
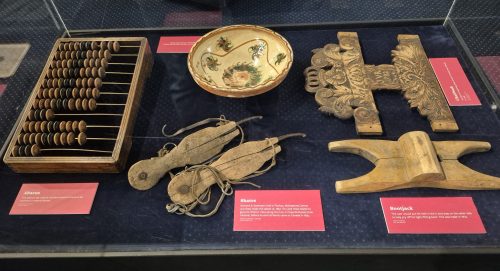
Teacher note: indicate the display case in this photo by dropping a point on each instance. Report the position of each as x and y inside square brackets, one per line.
[130, 229]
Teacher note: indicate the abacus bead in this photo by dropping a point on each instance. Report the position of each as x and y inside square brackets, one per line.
[37, 126]
[67, 55]
[35, 150]
[50, 126]
[15, 151]
[26, 139]
[31, 115]
[96, 93]
[64, 64]
[95, 54]
[109, 46]
[88, 93]
[72, 82]
[71, 104]
[82, 138]
[55, 126]
[39, 93]
[26, 126]
[98, 83]
[31, 127]
[46, 103]
[82, 93]
[38, 139]
[41, 103]
[88, 72]
[50, 139]
[59, 104]
[73, 55]
[101, 72]
[74, 126]
[65, 103]
[82, 74]
[116, 46]
[35, 103]
[66, 73]
[20, 151]
[43, 126]
[89, 54]
[81, 46]
[62, 125]
[62, 55]
[101, 53]
[94, 45]
[78, 104]
[63, 138]
[107, 55]
[90, 82]
[70, 138]
[57, 138]
[104, 63]
[75, 92]
[68, 92]
[94, 72]
[44, 139]
[85, 104]
[32, 138]
[84, 82]
[69, 126]
[61, 46]
[92, 104]
[103, 45]
[51, 93]
[45, 94]
[82, 126]
[97, 63]
[66, 46]
[49, 114]
[60, 82]
[86, 63]
[20, 138]
[41, 114]
[53, 104]
[92, 62]
[54, 73]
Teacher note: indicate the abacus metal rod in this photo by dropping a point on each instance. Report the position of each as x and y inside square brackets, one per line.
[82, 150]
[88, 114]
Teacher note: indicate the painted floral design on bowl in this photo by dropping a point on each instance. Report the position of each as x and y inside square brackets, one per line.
[240, 61]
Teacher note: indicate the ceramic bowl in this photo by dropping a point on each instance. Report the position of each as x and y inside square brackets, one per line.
[240, 60]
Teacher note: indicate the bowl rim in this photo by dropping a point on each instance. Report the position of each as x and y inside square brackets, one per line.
[242, 91]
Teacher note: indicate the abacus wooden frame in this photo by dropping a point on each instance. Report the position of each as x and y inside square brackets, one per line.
[88, 164]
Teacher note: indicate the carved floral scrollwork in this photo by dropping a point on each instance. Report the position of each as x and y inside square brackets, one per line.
[419, 84]
[328, 79]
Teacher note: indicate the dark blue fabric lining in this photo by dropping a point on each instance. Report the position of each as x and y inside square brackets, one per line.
[125, 219]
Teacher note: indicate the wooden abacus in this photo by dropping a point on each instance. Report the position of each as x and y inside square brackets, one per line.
[81, 113]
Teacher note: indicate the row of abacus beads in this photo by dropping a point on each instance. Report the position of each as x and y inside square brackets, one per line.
[80, 72]
[35, 150]
[61, 126]
[48, 139]
[79, 82]
[89, 45]
[68, 93]
[80, 63]
[70, 104]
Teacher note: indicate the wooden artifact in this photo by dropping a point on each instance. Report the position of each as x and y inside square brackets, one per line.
[98, 81]
[240, 60]
[343, 83]
[192, 186]
[195, 148]
[414, 161]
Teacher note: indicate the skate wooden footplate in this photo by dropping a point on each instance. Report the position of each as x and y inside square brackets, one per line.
[81, 113]
[343, 83]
